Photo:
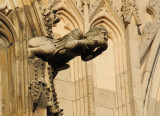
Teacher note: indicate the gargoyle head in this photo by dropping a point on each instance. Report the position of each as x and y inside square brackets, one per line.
[100, 37]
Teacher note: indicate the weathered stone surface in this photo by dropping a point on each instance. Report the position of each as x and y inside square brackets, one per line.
[64, 75]
[157, 113]
[67, 106]
[68, 90]
[106, 83]
[101, 111]
[104, 98]
[3, 56]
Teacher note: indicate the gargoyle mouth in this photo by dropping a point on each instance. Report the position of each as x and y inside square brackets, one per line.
[106, 40]
[95, 49]
[90, 54]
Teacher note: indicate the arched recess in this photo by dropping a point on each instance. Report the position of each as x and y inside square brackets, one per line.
[118, 64]
[68, 10]
[66, 24]
[69, 19]
[7, 52]
[71, 84]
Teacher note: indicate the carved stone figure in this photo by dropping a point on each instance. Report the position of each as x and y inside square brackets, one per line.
[58, 52]
[50, 17]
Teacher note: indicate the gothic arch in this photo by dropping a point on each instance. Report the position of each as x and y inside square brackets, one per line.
[8, 36]
[110, 22]
[117, 32]
[74, 16]
[64, 15]
[7, 30]
[71, 20]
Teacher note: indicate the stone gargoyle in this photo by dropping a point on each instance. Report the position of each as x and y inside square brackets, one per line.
[57, 52]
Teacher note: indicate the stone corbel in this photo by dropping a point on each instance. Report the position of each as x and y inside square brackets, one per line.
[42, 88]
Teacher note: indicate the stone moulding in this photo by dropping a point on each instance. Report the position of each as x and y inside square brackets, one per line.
[7, 30]
[42, 90]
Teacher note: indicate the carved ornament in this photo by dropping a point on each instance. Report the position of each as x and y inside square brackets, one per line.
[58, 52]
[150, 29]
[129, 8]
[42, 90]
[79, 4]
[50, 18]
[93, 5]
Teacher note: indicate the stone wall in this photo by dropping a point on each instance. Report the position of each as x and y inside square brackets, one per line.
[123, 81]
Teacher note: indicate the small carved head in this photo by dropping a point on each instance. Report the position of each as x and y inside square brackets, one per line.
[98, 34]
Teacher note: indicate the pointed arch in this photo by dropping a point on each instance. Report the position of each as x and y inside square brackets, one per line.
[7, 30]
[74, 17]
[105, 17]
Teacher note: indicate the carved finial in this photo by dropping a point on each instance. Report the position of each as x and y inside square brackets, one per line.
[49, 18]
[130, 9]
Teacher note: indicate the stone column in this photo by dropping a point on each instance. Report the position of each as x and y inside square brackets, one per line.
[134, 101]
[89, 64]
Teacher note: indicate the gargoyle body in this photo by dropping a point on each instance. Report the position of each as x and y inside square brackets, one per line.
[57, 52]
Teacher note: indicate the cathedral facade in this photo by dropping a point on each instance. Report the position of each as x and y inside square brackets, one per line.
[124, 80]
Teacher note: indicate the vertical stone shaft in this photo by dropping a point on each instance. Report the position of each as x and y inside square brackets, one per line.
[134, 101]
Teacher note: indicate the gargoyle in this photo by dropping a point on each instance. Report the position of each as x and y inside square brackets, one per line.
[57, 52]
